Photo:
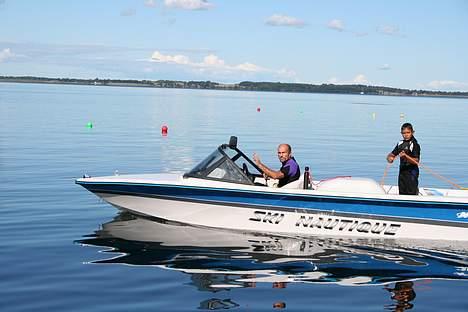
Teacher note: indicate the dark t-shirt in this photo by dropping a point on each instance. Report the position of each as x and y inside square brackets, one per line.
[411, 148]
[291, 172]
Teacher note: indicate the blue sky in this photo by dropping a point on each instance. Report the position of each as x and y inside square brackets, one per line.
[406, 44]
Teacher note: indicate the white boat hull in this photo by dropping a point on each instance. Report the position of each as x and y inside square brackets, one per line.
[284, 221]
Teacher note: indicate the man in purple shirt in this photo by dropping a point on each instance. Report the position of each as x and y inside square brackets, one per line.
[289, 170]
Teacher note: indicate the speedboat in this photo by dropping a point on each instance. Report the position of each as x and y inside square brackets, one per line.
[228, 190]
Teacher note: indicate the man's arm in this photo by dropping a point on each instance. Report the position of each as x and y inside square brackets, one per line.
[413, 160]
[393, 154]
[269, 172]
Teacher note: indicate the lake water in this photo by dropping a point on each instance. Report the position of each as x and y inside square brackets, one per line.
[62, 249]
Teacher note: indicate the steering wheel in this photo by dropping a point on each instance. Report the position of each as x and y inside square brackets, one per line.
[245, 169]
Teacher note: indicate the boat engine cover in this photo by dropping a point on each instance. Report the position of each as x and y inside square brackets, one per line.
[350, 185]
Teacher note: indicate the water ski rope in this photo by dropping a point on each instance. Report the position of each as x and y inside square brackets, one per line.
[385, 174]
[414, 161]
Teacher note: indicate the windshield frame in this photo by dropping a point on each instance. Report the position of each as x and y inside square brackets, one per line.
[204, 168]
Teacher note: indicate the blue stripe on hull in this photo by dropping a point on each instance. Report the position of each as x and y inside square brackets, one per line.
[379, 207]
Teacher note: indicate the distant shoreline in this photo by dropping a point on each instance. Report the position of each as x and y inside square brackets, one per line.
[242, 86]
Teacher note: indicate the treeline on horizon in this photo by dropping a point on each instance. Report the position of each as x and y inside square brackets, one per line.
[244, 85]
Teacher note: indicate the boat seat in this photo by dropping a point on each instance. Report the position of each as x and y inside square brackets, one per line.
[298, 184]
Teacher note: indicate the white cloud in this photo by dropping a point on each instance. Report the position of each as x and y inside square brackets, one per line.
[128, 12]
[210, 61]
[188, 4]
[6, 54]
[336, 24]
[448, 85]
[360, 79]
[150, 3]
[389, 30]
[284, 20]
[248, 67]
[176, 59]
[287, 73]
[213, 60]
[385, 67]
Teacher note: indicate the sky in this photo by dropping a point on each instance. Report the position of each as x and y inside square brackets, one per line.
[417, 44]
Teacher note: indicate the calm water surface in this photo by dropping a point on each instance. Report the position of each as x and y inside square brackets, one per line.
[64, 249]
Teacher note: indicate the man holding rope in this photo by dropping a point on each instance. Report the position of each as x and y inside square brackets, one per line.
[409, 151]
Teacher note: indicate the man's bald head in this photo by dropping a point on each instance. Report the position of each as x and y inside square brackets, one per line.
[284, 145]
[284, 152]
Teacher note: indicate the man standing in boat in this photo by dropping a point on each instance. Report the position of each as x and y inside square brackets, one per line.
[289, 170]
[409, 151]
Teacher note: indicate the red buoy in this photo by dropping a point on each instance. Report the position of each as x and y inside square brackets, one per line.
[164, 130]
[258, 109]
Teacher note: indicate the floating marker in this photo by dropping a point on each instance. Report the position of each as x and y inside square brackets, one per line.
[164, 130]
[402, 115]
[374, 115]
[89, 125]
[279, 305]
[258, 109]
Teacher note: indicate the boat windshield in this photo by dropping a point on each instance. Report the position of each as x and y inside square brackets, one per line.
[225, 164]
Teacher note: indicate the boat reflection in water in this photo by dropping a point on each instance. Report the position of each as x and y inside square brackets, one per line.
[219, 260]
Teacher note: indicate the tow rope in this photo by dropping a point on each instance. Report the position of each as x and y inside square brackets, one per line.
[435, 174]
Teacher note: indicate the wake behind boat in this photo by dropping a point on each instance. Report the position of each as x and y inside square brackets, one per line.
[227, 190]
